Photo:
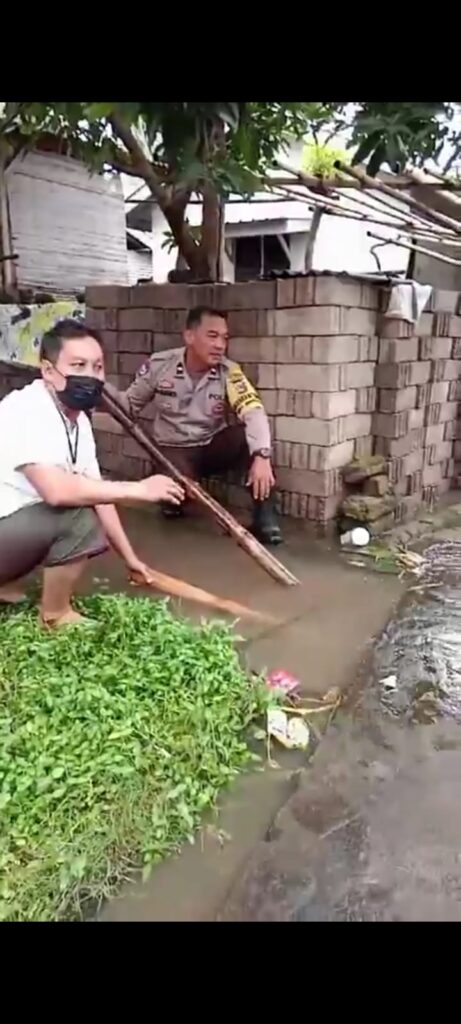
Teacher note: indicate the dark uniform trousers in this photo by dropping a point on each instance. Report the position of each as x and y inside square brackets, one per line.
[227, 450]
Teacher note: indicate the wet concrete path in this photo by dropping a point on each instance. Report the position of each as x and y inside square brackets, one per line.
[373, 830]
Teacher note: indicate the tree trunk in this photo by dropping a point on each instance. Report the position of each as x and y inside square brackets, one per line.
[210, 248]
[213, 213]
[204, 260]
[222, 239]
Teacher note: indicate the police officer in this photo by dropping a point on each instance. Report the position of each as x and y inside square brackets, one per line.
[196, 393]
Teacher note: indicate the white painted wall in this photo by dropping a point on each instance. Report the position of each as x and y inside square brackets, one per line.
[139, 265]
[343, 245]
[68, 226]
[297, 246]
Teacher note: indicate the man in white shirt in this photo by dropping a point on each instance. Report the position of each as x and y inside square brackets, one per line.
[55, 510]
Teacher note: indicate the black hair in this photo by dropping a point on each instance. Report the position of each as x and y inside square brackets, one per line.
[195, 316]
[65, 330]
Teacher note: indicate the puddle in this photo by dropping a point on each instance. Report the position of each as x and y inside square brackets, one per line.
[421, 647]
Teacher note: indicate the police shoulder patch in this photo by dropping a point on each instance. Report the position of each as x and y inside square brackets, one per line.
[144, 368]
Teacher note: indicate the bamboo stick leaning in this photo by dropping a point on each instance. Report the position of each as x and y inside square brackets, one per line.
[244, 538]
[179, 588]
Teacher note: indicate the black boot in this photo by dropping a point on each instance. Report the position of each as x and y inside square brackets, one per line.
[170, 511]
[265, 526]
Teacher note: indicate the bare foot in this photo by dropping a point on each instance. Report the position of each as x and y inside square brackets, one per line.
[68, 618]
[12, 595]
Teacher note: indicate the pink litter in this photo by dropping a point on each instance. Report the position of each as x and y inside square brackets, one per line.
[282, 680]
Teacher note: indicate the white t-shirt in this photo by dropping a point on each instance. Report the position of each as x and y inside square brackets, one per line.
[32, 431]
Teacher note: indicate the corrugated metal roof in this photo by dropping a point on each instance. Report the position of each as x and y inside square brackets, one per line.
[144, 237]
[371, 278]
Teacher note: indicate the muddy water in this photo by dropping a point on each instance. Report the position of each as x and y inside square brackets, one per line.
[418, 660]
[373, 832]
[325, 624]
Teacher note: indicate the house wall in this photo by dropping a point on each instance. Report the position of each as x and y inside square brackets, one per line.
[139, 265]
[337, 380]
[68, 226]
[343, 244]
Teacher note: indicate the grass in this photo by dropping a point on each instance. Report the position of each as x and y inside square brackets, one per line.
[114, 739]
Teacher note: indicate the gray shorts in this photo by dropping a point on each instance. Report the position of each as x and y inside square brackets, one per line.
[42, 535]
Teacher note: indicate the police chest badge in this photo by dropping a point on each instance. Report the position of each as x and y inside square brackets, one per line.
[167, 388]
[217, 405]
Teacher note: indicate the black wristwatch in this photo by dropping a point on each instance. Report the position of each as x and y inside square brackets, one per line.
[265, 453]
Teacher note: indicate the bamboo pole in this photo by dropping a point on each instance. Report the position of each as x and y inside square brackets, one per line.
[419, 224]
[409, 227]
[243, 537]
[390, 210]
[416, 248]
[364, 178]
[179, 588]
[398, 182]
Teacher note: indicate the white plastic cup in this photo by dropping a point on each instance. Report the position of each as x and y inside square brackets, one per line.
[359, 537]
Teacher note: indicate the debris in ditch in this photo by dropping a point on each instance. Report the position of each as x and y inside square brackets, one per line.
[332, 696]
[288, 725]
[389, 683]
[393, 560]
[218, 835]
[422, 587]
[282, 680]
[292, 733]
[358, 538]
[425, 709]
[410, 561]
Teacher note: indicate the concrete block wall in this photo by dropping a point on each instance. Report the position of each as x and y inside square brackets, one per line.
[338, 379]
[13, 378]
[308, 344]
[417, 402]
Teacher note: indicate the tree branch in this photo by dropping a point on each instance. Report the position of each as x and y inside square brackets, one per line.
[138, 159]
[454, 156]
[172, 203]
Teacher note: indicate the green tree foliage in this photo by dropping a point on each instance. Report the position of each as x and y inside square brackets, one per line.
[213, 149]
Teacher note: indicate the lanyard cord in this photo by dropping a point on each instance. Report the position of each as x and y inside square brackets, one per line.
[73, 450]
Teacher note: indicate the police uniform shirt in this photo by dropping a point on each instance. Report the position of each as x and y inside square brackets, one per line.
[189, 410]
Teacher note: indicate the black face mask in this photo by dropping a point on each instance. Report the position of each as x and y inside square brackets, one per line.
[81, 393]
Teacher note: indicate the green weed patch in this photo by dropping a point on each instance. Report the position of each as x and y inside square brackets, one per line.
[114, 739]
